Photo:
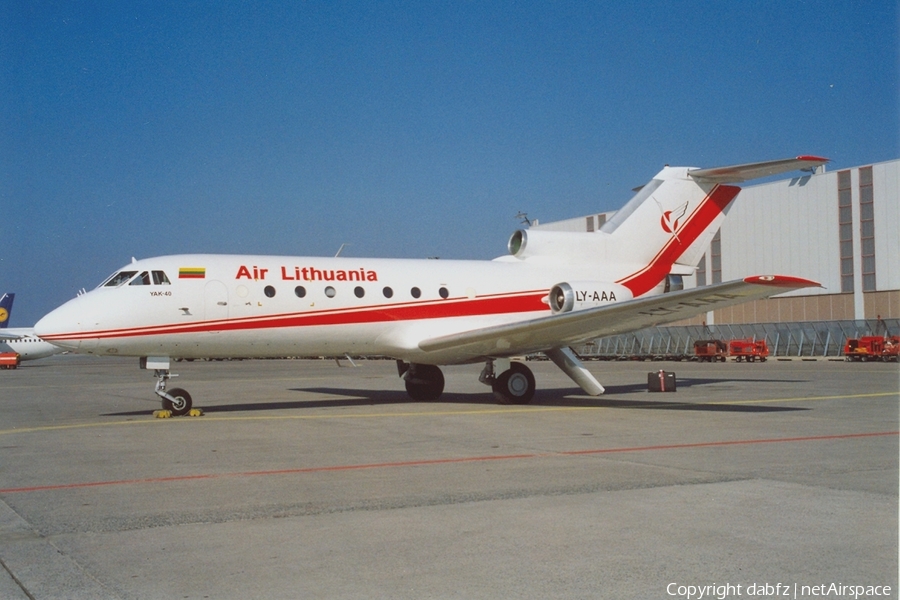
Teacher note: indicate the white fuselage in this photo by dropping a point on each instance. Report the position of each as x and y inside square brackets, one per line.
[269, 306]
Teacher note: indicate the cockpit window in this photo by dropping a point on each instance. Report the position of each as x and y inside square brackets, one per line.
[142, 279]
[159, 278]
[145, 278]
[119, 278]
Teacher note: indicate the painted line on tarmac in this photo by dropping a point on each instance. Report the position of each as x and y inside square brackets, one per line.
[808, 398]
[444, 461]
[442, 413]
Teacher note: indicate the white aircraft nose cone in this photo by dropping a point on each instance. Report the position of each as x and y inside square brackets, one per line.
[45, 326]
[56, 323]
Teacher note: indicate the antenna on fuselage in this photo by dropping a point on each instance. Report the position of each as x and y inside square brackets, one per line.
[341, 249]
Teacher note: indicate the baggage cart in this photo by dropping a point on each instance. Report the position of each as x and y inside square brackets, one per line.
[749, 350]
[710, 350]
[9, 360]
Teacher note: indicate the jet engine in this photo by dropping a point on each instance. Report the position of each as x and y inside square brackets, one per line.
[558, 244]
[579, 295]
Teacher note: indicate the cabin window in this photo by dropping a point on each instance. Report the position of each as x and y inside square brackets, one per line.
[443, 292]
[142, 279]
[329, 291]
[269, 291]
[416, 292]
[359, 292]
[159, 278]
[388, 292]
[119, 278]
[300, 291]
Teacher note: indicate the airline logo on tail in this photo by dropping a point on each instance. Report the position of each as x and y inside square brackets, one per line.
[669, 219]
[6, 301]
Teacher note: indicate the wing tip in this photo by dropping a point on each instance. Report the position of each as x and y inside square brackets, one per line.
[810, 158]
[785, 281]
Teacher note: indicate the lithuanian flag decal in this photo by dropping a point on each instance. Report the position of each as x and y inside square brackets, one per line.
[192, 273]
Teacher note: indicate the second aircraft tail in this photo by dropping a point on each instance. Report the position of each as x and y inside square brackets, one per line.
[6, 302]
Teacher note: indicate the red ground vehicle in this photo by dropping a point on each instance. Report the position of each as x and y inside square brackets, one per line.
[891, 350]
[872, 347]
[748, 350]
[710, 350]
[9, 360]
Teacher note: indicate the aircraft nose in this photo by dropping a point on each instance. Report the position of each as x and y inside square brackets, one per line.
[59, 326]
[44, 325]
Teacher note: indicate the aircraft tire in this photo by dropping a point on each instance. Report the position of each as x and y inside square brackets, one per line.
[182, 404]
[515, 385]
[426, 385]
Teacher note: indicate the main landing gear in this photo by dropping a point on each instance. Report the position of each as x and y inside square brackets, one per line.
[514, 385]
[424, 383]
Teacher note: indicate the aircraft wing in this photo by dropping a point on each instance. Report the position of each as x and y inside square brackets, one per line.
[739, 173]
[565, 329]
[9, 336]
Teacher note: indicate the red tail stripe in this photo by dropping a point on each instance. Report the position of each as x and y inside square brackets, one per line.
[712, 206]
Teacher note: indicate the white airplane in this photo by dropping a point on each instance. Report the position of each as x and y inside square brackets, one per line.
[554, 289]
[21, 340]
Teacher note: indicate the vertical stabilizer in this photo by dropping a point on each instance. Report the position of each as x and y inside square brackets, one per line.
[670, 220]
[6, 302]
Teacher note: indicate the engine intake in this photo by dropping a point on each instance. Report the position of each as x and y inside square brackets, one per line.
[579, 295]
[558, 245]
[562, 298]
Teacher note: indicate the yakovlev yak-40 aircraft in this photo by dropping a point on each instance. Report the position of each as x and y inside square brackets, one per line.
[554, 289]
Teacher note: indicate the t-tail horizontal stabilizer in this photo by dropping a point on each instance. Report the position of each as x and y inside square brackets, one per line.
[739, 173]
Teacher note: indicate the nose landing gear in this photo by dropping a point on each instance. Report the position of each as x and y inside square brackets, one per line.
[176, 401]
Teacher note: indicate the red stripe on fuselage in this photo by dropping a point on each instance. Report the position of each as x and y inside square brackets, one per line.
[530, 301]
[712, 206]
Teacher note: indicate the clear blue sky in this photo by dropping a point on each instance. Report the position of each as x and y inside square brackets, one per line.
[404, 129]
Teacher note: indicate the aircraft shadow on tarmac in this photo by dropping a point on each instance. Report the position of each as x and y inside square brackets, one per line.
[637, 398]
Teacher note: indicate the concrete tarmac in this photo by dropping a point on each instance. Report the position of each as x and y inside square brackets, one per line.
[308, 480]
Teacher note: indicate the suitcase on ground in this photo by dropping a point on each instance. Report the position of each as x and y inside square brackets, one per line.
[661, 381]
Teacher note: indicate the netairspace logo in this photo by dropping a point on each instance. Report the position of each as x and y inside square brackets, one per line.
[777, 590]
